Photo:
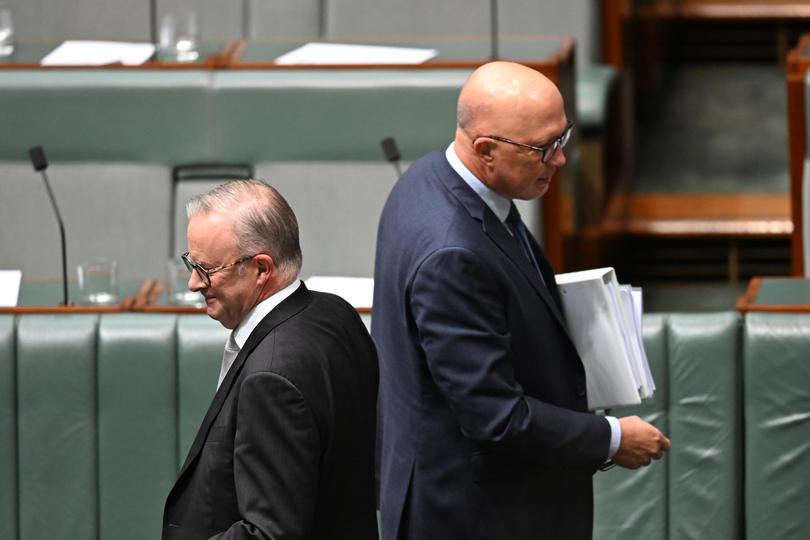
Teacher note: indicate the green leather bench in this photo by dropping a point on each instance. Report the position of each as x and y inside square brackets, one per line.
[97, 412]
[696, 490]
[776, 372]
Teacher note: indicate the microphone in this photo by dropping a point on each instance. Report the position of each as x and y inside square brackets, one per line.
[391, 153]
[493, 28]
[37, 155]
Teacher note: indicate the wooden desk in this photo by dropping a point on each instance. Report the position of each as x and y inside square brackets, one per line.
[798, 62]
[29, 55]
[776, 295]
[553, 56]
[45, 296]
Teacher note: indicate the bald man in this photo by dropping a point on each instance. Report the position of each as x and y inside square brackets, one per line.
[484, 429]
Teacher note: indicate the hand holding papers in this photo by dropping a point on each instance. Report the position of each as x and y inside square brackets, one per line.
[604, 320]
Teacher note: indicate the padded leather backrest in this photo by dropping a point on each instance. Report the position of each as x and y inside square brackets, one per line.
[705, 464]
[418, 17]
[137, 422]
[777, 425]
[284, 19]
[57, 448]
[8, 429]
[114, 210]
[315, 115]
[453, 18]
[200, 342]
[632, 504]
[38, 21]
[106, 115]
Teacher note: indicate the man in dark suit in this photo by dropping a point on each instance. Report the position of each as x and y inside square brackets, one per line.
[484, 430]
[286, 449]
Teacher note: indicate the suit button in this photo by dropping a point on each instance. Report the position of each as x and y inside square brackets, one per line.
[580, 391]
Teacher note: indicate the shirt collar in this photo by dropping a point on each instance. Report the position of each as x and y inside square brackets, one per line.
[249, 323]
[495, 201]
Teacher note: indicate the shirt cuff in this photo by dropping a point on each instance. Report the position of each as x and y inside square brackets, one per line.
[615, 435]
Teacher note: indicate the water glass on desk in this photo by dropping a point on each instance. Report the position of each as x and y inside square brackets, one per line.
[98, 282]
[6, 31]
[178, 37]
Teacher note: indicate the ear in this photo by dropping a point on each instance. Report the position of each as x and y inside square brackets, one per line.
[484, 148]
[265, 266]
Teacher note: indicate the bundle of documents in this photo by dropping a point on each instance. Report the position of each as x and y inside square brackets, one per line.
[604, 320]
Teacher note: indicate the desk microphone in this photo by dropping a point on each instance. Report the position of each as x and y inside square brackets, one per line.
[37, 155]
[493, 29]
[391, 153]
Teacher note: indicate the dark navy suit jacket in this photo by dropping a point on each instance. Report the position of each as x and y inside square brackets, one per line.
[484, 430]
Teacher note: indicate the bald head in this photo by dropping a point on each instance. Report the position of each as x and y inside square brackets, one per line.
[500, 97]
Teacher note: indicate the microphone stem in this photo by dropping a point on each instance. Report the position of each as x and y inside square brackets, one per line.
[493, 21]
[398, 168]
[61, 236]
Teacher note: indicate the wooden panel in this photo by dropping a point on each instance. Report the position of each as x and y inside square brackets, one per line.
[699, 215]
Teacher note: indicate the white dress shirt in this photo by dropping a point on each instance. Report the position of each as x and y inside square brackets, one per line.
[240, 334]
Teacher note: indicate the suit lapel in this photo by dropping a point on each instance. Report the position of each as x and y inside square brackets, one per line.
[496, 231]
[292, 305]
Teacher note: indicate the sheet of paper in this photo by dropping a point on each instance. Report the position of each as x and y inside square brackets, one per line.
[359, 292]
[98, 53]
[10, 287]
[337, 53]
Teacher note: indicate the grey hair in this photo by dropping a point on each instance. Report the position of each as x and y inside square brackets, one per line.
[263, 221]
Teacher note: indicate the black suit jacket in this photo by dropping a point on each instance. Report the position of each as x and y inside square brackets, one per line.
[484, 430]
[286, 449]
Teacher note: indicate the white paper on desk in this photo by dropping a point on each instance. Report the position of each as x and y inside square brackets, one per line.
[338, 53]
[603, 331]
[356, 291]
[10, 287]
[98, 53]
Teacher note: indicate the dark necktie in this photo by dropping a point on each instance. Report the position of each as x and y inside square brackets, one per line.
[521, 237]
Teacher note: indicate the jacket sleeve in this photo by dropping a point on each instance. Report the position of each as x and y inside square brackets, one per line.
[276, 461]
[460, 313]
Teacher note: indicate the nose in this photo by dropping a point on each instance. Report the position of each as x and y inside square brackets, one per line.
[558, 159]
[195, 282]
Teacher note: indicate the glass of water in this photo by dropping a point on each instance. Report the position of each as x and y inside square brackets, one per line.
[178, 37]
[6, 31]
[98, 282]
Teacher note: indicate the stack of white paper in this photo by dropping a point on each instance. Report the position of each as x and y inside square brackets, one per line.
[340, 53]
[98, 53]
[9, 287]
[604, 320]
[356, 291]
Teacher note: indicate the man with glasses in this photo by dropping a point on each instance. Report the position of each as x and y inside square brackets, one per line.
[484, 428]
[286, 449]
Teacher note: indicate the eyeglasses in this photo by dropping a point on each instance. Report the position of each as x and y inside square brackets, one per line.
[205, 273]
[547, 151]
